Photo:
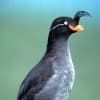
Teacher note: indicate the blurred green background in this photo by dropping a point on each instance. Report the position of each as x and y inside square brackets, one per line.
[24, 27]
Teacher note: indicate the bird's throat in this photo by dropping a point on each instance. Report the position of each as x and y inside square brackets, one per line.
[58, 46]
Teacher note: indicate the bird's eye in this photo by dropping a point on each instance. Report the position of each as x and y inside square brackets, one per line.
[65, 23]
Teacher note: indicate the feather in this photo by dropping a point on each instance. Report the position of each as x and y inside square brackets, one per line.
[80, 14]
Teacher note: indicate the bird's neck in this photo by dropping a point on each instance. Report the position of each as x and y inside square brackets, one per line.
[58, 46]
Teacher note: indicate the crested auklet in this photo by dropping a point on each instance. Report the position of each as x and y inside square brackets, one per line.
[53, 77]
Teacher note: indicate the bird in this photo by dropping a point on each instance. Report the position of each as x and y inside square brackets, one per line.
[53, 77]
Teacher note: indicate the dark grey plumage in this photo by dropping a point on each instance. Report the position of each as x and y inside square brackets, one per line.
[53, 77]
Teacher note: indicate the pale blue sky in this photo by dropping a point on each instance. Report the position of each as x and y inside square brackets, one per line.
[50, 4]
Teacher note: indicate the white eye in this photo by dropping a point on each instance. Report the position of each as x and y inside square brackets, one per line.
[65, 23]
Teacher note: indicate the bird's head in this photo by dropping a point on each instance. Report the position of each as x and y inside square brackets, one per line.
[68, 25]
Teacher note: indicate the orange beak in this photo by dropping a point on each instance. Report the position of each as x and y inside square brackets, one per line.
[76, 28]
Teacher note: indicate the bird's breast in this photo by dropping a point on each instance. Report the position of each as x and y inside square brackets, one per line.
[58, 87]
[65, 73]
